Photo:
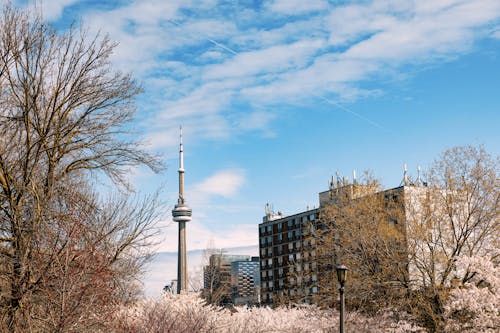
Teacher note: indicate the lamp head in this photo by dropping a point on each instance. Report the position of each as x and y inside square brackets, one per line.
[341, 274]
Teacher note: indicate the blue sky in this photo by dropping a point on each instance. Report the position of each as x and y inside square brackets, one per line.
[276, 96]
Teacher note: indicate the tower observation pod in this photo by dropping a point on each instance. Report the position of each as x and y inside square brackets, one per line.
[181, 214]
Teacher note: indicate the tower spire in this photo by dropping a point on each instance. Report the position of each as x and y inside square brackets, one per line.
[181, 168]
[181, 214]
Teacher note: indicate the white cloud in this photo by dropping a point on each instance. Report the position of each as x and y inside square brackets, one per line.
[203, 61]
[256, 120]
[274, 59]
[51, 10]
[224, 183]
[294, 7]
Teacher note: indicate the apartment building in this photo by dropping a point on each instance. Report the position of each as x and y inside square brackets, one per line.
[289, 268]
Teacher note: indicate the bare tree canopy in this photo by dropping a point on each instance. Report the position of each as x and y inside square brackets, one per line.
[64, 253]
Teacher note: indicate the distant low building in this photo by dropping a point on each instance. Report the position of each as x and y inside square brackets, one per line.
[231, 279]
[245, 281]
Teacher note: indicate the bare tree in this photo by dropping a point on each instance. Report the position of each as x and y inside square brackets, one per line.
[64, 253]
[361, 228]
[216, 276]
[457, 215]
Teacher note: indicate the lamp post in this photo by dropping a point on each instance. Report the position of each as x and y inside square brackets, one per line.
[341, 276]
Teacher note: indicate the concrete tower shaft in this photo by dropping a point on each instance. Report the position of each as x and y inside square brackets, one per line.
[181, 214]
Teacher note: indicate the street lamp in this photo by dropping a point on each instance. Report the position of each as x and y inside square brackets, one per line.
[341, 276]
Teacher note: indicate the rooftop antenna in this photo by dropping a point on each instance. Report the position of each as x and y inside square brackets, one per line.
[339, 184]
[354, 180]
[405, 175]
[419, 182]
[332, 184]
[268, 210]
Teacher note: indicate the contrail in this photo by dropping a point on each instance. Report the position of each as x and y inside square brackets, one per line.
[340, 106]
[224, 47]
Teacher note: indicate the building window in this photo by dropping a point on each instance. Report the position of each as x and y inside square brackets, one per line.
[280, 226]
[311, 217]
[297, 233]
[290, 235]
[269, 251]
[262, 252]
[315, 290]
[314, 277]
[280, 237]
[289, 223]
[269, 228]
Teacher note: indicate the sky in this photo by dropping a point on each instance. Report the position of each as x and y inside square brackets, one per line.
[275, 97]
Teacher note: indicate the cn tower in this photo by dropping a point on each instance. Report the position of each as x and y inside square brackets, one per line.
[181, 214]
